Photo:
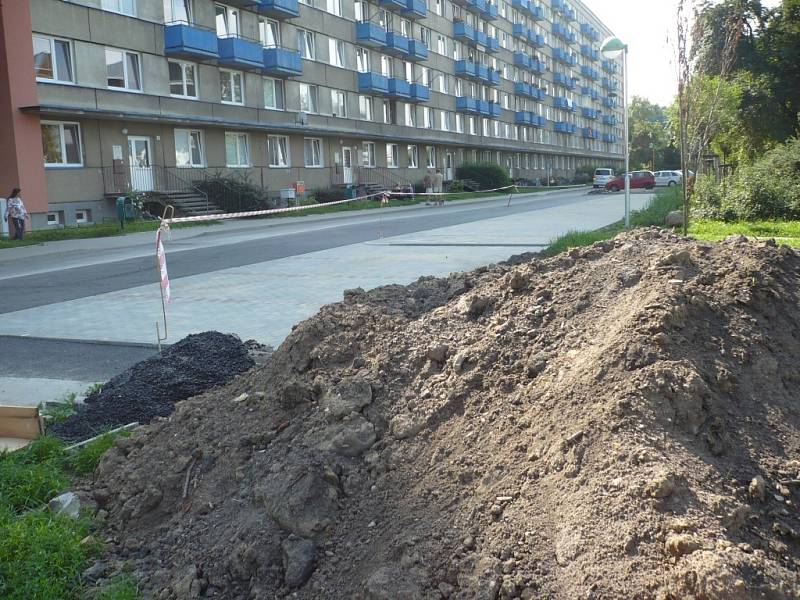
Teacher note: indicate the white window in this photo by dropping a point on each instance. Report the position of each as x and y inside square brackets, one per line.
[54, 218]
[444, 120]
[269, 32]
[338, 103]
[334, 7]
[122, 70]
[182, 79]
[362, 60]
[308, 98]
[425, 76]
[62, 144]
[386, 66]
[437, 7]
[388, 116]
[125, 7]
[336, 52]
[52, 59]
[410, 113]
[83, 215]
[231, 87]
[413, 157]
[473, 128]
[189, 148]
[236, 150]
[441, 44]
[361, 11]
[365, 107]
[427, 117]
[392, 156]
[278, 148]
[425, 36]
[305, 44]
[312, 152]
[459, 123]
[273, 94]
[227, 19]
[430, 153]
[369, 154]
[177, 11]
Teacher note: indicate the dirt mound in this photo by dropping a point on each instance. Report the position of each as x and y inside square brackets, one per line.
[150, 388]
[618, 422]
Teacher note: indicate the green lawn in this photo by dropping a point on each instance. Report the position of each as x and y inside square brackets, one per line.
[784, 232]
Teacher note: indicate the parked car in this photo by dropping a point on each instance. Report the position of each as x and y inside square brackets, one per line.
[602, 177]
[639, 180]
[668, 178]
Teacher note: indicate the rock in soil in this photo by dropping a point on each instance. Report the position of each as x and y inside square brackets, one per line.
[622, 425]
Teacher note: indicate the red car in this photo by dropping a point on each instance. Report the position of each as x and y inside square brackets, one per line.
[639, 180]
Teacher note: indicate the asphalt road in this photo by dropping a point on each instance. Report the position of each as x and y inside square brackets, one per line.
[72, 283]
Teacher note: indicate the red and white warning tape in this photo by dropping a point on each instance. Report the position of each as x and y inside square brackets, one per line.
[162, 267]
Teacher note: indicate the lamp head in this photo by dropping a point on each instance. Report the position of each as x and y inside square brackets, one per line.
[612, 47]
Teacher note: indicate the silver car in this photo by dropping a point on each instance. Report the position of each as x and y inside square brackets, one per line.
[668, 178]
[602, 177]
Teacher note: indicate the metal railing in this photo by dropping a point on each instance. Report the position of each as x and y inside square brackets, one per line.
[152, 180]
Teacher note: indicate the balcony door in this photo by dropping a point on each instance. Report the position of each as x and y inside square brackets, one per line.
[141, 163]
[347, 165]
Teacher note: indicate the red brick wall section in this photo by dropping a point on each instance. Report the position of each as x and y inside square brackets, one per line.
[21, 162]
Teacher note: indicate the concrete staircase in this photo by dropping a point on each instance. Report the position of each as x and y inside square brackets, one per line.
[190, 203]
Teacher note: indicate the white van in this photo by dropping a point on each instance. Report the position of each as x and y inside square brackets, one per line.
[602, 177]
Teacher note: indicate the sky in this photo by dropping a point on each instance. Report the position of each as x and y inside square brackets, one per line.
[648, 27]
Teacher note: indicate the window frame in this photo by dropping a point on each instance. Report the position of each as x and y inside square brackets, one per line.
[306, 34]
[52, 42]
[264, 26]
[412, 152]
[365, 101]
[287, 152]
[188, 5]
[231, 73]
[277, 83]
[125, 76]
[238, 165]
[62, 145]
[371, 158]
[341, 100]
[334, 46]
[120, 11]
[321, 161]
[201, 141]
[183, 64]
[313, 97]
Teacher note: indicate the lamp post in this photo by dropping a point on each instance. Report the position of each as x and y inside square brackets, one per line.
[612, 47]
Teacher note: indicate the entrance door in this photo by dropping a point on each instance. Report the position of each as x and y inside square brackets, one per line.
[510, 167]
[448, 167]
[347, 165]
[141, 164]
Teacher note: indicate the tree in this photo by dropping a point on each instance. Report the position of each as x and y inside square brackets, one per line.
[650, 136]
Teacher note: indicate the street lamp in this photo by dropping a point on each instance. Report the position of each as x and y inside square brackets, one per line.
[611, 48]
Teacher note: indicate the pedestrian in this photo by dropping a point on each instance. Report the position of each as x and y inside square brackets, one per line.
[438, 180]
[427, 183]
[16, 210]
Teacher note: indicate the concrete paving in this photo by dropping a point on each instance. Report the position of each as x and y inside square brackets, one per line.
[33, 391]
[263, 299]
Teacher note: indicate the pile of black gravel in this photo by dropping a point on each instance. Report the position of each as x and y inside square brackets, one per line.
[150, 388]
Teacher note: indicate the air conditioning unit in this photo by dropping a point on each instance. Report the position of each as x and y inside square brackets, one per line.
[302, 118]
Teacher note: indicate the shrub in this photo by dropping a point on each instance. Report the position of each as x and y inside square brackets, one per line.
[487, 175]
[330, 195]
[234, 193]
[455, 187]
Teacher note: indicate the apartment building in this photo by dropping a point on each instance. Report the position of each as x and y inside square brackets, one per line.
[106, 96]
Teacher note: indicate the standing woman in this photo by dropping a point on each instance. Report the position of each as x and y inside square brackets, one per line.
[16, 210]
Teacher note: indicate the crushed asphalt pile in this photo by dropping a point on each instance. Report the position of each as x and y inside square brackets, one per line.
[622, 421]
[151, 387]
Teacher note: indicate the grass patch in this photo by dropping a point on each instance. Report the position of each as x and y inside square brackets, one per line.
[784, 232]
[123, 588]
[84, 460]
[665, 201]
[92, 231]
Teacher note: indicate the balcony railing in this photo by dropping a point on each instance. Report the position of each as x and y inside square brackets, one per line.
[590, 32]
[524, 117]
[590, 91]
[415, 9]
[282, 62]
[609, 138]
[564, 103]
[396, 44]
[609, 120]
[417, 51]
[184, 40]
[392, 4]
[371, 34]
[590, 113]
[278, 9]
[373, 83]
[590, 73]
[399, 88]
[590, 134]
[609, 66]
[420, 92]
[240, 53]
[590, 53]
[564, 127]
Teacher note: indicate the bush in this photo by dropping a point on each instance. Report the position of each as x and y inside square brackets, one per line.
[769, 188]
[455, 187]
[488, 176]
[234, 194]
[330, 195]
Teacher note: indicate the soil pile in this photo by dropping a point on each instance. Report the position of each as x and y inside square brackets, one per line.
[150, 388]
[619, 422]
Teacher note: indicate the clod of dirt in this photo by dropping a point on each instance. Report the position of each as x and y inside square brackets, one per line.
[151, 387]
[617, 422]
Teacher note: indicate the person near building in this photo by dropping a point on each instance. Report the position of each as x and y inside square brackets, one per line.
[15, 209]
[438, 181]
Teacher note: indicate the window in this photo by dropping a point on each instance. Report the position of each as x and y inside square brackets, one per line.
[177, 11]
[427, 117]
[459, 123]
[362, 60]
[182, 80]
[336, 52]
[338, 103]
[188, 148]
[334, 7]
[278, 147]
[441, 44]
[410, 112]
[392, 156]
[369, 154]
[361, 11]
[305, 44]
[444, 120]
[269, 32]
[227, 19]
[312, 152]
[83, 215]
[122, 70]
[425, 36]
[126, 7]
[52, 59]
[365, 107]
[308, 97]
[413, 157]
[386, 66]
[236, 150]
[388, 112]
[273, 93]
[230, 87]
[430, 152]
[62, 144]
[437, 7]
[54, 218]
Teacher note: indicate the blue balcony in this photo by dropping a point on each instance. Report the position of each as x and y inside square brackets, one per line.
[240, 53]
[564, 127]
[589, 52]
[522, 60]
[420, 92]
[565, 103]
[519, 30]
[392, 4]
[188, 41]
[522, 89]
[373, 83]
[590, 73]
[467, 105]
[565, 57]
[609, 66]
[278, 9]
[482, 72]
[493, 78]
[609, 120]
[590, 32]
[371, 35]
[609, 84]
[396, 44]
[610, 138]
[477, 6]
[538, 66]
[467, 69]
[494, 110]
[399, 88]
[525, 117]
[281, 62]
[537, 12]
[492, 44]
[590, 91]
[522, 5]
[590, 134]
[590, 113]
[417, 50]
[464, 32]
[559, 30]
[415, 9]
[609, 102]
[563, 79]
[490, 13]
[481, 39]
[483, 107]
[536, 39]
